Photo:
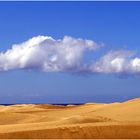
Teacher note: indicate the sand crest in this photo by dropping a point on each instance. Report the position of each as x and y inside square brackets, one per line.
[114, 120]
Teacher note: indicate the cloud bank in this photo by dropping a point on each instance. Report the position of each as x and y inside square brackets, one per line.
[66, 55]
[122, 61]
[47, 54]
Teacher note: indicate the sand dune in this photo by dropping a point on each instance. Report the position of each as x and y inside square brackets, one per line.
[114, 120]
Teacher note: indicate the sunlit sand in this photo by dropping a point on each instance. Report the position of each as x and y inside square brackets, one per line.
[91, 120]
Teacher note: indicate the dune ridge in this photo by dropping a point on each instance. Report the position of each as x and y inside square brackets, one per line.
[91, 120]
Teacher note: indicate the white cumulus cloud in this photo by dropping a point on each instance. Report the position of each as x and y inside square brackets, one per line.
[66, 55]
[48, 54]
[121, 61]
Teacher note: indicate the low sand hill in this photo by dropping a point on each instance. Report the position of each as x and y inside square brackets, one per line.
[114, 120]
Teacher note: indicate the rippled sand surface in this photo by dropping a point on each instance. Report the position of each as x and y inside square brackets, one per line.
[115, 120]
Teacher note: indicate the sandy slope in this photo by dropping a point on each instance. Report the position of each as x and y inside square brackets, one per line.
[115, 120]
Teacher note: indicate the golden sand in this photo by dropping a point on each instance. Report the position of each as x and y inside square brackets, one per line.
[114, 120]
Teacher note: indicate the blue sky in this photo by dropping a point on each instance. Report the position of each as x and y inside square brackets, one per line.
[115, 24]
